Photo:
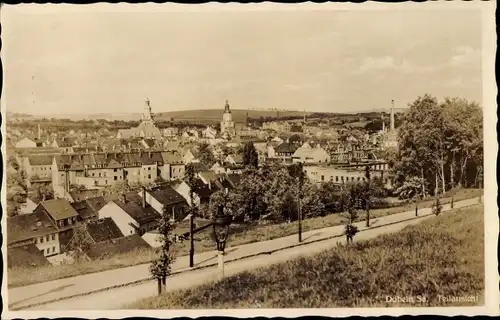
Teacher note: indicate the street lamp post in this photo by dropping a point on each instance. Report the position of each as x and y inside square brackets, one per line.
[221, 231]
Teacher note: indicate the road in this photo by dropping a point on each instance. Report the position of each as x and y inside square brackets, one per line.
[43, 296]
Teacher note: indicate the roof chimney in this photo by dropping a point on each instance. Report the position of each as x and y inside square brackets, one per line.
[143, 197]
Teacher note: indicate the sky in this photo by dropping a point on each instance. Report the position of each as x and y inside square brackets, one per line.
[108, 58]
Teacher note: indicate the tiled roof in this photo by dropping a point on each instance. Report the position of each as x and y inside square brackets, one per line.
[27, 226]
[103, 230]
[26, 256]
[167, 195]
[286, 147]
[208, 175]
[171, 157]
[97, 203]
[135, 210]
[59, 209]
[238, 158]
[84, 210]
[41, 160]
[117, 246]
[202, 190]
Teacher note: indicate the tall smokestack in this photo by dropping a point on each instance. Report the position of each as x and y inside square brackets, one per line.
[392, 116]
[39, 133]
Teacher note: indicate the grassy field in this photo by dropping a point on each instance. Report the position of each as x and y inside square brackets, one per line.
[239, 234]
[441, 256]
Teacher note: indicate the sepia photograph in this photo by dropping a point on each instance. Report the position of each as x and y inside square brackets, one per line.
[249, 157]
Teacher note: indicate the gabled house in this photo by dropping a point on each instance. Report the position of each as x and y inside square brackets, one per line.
[33, 229]
[25, 143]
[132, 214]
[62, 215]
[285, 151]
[207, 177]
[190, 156]
[209, 133]
[217, 168]
[166, 199]
[308, 154]
[234, 159]
[201, 191]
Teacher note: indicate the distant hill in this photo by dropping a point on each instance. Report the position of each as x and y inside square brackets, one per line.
[210, 115]
[239, 115]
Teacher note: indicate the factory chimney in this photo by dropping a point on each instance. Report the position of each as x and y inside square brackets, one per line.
[392, 116]
[39, 132]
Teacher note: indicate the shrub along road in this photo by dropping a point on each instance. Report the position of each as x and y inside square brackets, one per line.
[114, 288]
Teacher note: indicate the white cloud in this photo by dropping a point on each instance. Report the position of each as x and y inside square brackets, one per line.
[465, 55]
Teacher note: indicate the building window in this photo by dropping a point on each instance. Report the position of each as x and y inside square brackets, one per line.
[116, 178]
[149, 176]
[322, 178]
[48, 238]
[53, 249]
[114, 170]
[99, 174]
[53, 237]
[41, 240]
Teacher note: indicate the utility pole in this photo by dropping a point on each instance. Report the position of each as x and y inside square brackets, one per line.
[191, 237]
[300, 219]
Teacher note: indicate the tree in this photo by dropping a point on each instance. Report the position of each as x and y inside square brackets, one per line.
[161, 268]
[42, 192]
[81, 241]
[441, 143]
[17, 190]
[205, 155]
[12, 161]
[120, 187]
[351, 196]
[250, 155]
[219, 198]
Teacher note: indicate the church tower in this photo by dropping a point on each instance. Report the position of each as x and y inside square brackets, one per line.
[227, 123]
[147, 115]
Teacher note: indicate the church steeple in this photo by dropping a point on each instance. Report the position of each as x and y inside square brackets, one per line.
[226, 108]
[147, 115]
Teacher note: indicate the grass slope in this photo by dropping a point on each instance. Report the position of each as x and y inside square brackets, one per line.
[240, 234]
[440, 256]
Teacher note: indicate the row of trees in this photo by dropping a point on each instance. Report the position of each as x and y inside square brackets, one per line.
[440, 147]
[273, 192]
